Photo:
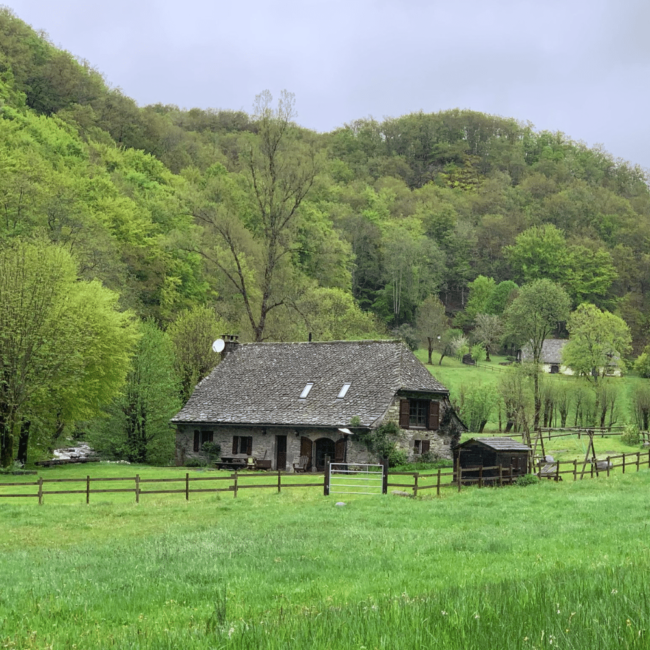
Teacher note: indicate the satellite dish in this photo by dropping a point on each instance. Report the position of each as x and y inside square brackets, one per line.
[218, 345]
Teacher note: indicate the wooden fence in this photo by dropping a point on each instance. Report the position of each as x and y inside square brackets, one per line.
[438, 480]
[238, 481]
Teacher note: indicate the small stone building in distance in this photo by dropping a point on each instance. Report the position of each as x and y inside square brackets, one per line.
[279, 401]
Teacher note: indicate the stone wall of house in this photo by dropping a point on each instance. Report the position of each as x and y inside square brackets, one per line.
[264, 442]
[439, 441]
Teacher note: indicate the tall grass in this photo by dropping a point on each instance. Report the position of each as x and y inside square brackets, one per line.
[294, 571]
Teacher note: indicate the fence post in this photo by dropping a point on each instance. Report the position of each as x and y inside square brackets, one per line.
[326, 481]
[438, 483]
[575, 469]
[137, 488]
[595, 462]
[500, 476]
[40, 491]
[480, 476]
[384, 482]
[607, 466]
[638, 461]
[557, 472]
[460, 475]
[510, 473]
[279, 481]
[591, 468]
[623, 462]
[87, 490]
[235, 486]
[648, 457]
[187, 486]
[415, 485]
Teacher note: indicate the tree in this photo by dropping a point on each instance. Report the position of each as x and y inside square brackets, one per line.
[251, 235]
[589, 274]
[137, 423]
[532, 317]
[539, 252]
[447, 343]
[504, 293]
[488, 332]
[64, 347]
[480, 293]
[596, 340]
[192, 335]
[431, 322]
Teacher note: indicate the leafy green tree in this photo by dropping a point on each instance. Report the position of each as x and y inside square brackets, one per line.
[642, 363]
[504, 293]
[480, 293]
[539, 252]
[64, 347]
[431, 322]
[488, 332]
[597, 339]
[192, 335]
[589, 274]
[136, 426]
[532, 317]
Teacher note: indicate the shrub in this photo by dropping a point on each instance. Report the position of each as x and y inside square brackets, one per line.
[476, 405]
[527, 479]
[642, 364]
[212, 450]
[631, 435]
[195, 462]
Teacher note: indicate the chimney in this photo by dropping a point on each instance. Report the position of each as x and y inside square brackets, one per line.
[231, 344]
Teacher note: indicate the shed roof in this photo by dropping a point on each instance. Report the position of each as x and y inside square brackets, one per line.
[499, 444]
[261, 383]
[551, 351]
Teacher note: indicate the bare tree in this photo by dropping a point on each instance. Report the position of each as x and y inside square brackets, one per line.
[250, 234]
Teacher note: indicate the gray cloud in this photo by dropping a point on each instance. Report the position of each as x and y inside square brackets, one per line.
[578, 66]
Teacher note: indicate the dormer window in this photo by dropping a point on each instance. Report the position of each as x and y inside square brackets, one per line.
[343, 391]
[305, 390]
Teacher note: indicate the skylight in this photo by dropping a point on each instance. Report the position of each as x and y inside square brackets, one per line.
[305, 390]
[343, 391]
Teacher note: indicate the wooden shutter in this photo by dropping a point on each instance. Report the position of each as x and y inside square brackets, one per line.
[235, 444]
[305, 447]
[339, 451]
[404, 413]
[434, 416]
[197, 440]
[249, 445]
[426, 445]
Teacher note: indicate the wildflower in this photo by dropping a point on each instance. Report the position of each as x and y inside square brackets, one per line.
[443, 612]
[477, 616]
[614, 591]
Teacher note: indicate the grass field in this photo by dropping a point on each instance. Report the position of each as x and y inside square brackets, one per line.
[453, 374]
[550, 565]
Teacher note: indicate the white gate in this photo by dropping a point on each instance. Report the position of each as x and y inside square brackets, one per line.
[355, 478]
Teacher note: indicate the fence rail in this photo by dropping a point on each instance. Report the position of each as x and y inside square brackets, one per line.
[457, 477]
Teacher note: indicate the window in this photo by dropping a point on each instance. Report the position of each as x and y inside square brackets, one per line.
[421, 446]
[305, 390]
[418, 413]
[201, 437]
[343, 391]
[242, 445]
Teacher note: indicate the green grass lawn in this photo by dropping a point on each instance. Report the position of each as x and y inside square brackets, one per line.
[493, 568]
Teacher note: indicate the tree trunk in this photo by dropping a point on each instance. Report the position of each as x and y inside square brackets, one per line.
[6, 437]
[430, 350]
[487, 354]
[538, 399]
[442, 356]
[23, 442]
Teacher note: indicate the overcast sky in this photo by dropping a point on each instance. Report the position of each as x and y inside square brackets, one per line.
[578, 66]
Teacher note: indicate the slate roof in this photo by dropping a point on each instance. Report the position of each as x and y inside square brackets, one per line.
[499, 444]
[551, 351]
[260, 383]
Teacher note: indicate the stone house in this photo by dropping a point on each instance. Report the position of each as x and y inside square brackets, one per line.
[279, 401]
[551, 359]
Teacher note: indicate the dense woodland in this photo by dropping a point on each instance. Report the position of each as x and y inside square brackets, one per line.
[193, 223]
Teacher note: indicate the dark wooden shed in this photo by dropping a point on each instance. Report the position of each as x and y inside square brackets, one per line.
[491, 452]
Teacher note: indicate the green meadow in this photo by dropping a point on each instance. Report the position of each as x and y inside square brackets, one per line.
[548, 565]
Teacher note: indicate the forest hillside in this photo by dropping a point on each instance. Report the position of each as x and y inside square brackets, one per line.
[205, 220]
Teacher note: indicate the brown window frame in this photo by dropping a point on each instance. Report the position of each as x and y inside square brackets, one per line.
[245, 442]
[200, 438]
[431, 414]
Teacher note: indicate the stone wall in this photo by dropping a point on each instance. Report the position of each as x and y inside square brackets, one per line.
[264, 444]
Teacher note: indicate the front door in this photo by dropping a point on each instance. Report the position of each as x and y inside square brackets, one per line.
[305, 450]
[324, 448]
[281, 452]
